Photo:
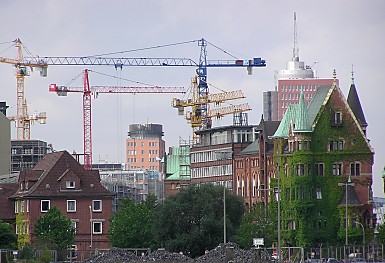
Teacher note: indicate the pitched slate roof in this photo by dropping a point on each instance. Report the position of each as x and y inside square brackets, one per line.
[355, 105]
[352, 197]
[49, 171]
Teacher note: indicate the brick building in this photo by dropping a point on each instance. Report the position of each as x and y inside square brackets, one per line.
[59, 180]
[145, 147]
[320, 149]
[254, 166]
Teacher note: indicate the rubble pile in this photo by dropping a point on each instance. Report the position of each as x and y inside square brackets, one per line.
[229, 252]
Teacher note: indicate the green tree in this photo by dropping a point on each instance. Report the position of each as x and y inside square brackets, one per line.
[381, 234]
[192, 220]
[257, 224]
[55, 230]
[131, 225]
[8, 239]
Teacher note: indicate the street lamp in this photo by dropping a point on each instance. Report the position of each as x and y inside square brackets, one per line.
[91, 229]
[279, 216]
[348, 183]
[224, 212]
[363, 239]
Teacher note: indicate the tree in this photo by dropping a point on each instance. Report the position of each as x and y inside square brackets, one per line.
[131, 225]
[53, 228]
[8, 239]
[381, 234]
[257, 224]
[192, 220]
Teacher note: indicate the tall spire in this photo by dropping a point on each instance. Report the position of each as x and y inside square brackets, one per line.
[295, 47]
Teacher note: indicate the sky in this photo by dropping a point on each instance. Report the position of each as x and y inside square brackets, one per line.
[331, 35]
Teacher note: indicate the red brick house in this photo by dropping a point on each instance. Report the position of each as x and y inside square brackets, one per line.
[254, 166]
[59, 180]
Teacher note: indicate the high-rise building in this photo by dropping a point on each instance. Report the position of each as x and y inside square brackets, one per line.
[5, 140]
[290, 82]
[145, 147]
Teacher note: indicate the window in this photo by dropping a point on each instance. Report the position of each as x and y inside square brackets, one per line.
[319, 194]
[70, 184]
[336, 145]
[355, 169]
[300, 169]
[96, 205]
[44, 205]
[71, 205]
[16, 207]
[337, 168]
[337, 118]
[96, 227]
[74, 224]
[291, 225]
[319, 169]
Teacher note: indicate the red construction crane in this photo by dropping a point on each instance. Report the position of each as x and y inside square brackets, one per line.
[87, 90]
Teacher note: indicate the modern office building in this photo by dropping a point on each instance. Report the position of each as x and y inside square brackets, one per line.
[290, 82]
[212, 159]
[145, 147]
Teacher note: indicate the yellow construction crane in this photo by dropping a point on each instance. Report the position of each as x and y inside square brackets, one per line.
[23, 119]
[197, 118]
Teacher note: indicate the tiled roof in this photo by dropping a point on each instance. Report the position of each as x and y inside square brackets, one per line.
[52, 167]
[355, 105]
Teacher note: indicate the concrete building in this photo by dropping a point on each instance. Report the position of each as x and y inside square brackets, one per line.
[5, 140]
[25, 154]
[212, 159]
[145, 147]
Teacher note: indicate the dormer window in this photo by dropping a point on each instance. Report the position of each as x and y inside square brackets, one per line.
[337, 118]
[70, 184]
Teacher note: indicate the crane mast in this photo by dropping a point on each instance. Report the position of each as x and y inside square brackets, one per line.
[22, 118]
[87, 113]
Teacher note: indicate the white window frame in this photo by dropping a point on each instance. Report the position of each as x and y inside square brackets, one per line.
[93, 206]
[101, 227]
[68, 208]
[16, 206]
[319, 193]
[74, 224]
[41, 205]
[69, 184]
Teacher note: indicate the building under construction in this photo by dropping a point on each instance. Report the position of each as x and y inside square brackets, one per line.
[25, 154]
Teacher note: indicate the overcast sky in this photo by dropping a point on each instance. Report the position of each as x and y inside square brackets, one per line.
[331, 35]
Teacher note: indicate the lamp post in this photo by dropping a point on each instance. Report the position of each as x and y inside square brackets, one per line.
[279, 216]
[91, 230]
[224, 212]
[363, 239]
[348, 183]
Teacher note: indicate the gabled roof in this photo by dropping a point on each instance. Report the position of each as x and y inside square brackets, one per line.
[320, 98]
[251, 149]
[49, 171]
[297, 116]
[355, 105]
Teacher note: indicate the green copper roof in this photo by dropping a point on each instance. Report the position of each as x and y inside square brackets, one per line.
[303, 117]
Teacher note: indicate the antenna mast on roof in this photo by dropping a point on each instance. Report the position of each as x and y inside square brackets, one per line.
[295, 48]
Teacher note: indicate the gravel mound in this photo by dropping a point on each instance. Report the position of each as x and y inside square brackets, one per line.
[229, 252]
